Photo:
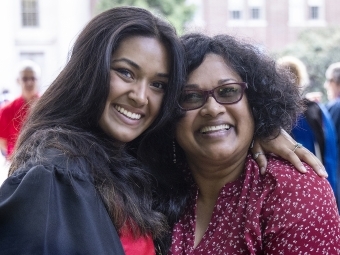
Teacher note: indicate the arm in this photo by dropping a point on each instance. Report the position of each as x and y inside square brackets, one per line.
[283, 146]
[45, 212]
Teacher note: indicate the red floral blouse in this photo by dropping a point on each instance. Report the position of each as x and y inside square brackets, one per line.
[282, 212]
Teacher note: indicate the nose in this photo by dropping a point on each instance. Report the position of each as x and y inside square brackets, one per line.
[212, 108]
[30, 81]
[138, 94]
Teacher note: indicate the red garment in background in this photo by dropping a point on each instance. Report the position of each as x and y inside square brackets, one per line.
[12, 116]
[282, 212]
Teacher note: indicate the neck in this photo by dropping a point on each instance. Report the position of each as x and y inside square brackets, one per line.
[29, 98]
[212, 176]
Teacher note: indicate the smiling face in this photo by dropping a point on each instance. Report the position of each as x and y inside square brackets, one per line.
[139, 74]
[216, 133]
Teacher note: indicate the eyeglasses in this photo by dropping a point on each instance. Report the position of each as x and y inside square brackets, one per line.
[26, 79]
[229, 93]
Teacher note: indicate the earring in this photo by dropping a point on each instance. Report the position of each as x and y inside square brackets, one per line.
[252, 144]
[174, 151]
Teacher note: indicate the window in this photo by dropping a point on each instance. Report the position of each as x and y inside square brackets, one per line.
[29, 10]
[235, 14]
[314, 12]
[255, 13]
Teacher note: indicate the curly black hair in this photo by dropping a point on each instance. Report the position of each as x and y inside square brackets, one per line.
[274, 100]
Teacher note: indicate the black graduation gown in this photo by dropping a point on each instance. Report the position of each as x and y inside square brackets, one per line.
[45, 209]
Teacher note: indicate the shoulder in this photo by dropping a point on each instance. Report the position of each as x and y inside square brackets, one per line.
[43, 206]
[12, 106]
[283, 188]
[297, 208]
[44, 180]
[282, 180]
[47, 180]
[334, 104]
[281, 174]
[56, 163]
[297, 193]
[286, 176]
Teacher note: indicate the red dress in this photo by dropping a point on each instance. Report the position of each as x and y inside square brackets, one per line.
[282, 212]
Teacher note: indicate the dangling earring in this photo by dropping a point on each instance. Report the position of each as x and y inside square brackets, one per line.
[252, 144]
[174, 151]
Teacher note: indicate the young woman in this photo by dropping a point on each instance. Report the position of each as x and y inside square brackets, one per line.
[76, 184]
[235, 93]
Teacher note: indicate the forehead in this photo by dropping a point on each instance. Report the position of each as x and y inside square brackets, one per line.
[27, 73]
[212, 71]
[143, 50]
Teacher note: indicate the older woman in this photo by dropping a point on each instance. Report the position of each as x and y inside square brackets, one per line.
[233, 94]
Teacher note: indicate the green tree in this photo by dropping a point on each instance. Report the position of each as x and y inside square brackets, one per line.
[317, 48]
[177, 12]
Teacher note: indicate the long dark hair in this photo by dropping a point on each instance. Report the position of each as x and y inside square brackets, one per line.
[66, 116]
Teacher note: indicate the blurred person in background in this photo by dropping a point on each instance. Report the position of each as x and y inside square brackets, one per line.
[14, 113]
[332, 86]
[315, 128]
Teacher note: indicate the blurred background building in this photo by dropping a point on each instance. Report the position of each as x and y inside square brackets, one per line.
[40, 30]
[44, 30]
[273, 24]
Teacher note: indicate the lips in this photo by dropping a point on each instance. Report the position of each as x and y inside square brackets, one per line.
[131, 115]
[208, 129]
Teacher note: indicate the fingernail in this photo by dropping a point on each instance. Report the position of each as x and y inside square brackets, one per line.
[263, 170]
[326, 174]
[303, 168]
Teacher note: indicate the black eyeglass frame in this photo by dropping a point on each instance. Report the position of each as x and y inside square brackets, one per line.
[207, 93]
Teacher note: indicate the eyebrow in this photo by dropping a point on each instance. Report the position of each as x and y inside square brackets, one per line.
[224, 81]
[135, 65]
[127, 61]
[219, 83]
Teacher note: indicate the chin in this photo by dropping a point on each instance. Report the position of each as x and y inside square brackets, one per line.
[125, 138]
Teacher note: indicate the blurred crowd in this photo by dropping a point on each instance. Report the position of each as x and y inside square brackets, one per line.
[318, 128]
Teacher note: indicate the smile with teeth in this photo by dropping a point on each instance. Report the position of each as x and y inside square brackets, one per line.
[128, 114]
[214, 128]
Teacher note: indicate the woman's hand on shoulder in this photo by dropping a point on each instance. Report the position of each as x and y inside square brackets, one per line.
[286, 147]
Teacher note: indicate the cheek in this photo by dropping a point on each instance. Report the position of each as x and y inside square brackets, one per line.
[246, 118]
[115, 86]
[155, 104]
[251, 120]
[183, 132]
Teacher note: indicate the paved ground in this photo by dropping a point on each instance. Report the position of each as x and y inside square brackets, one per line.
[3, 169]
